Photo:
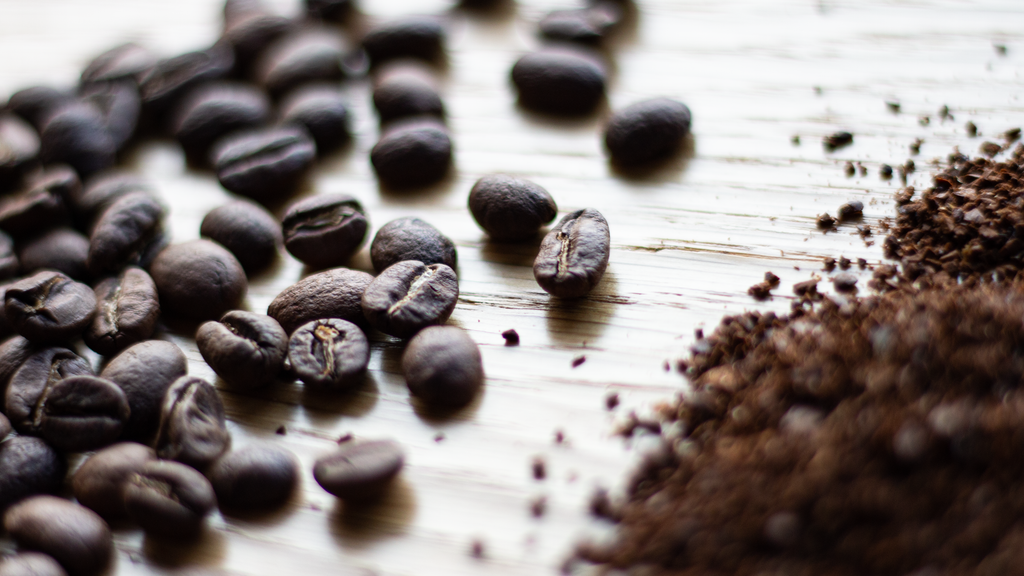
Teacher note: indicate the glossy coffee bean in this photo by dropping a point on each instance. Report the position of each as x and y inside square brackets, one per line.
[412, 153]
[251, 31]
[308, 55]
[28, 466]
[145, 371]
[127, 311]
[573, 255]
[5, 427]
[49, 307]
[409, 296]
[442, 367]
[40, 204]
[32, 382]
[245, 349]
[128, 233]
[13, 353]
[62, 249]
[411, 239]
[330, 10]
[264, 164]
[169, 499]
[321, 110]
[330, 353]
[82, 413]
[198, 279]
[420, 37]
[99, 482]
[9, 265]
[510, 209]
[36, 103]
[647, 131]
[104, 189]
[163, 84]
[19, 148]
[333, 293]
[257, 477]
[588, 25]
[247, 230]
[73, 535]
[30, 564]
[360, 470]
[403, 89]
[192, 426]
[120, 105]
[123, 62]
[216, 109]
[76, 134]
[559, 81]
[324, 230]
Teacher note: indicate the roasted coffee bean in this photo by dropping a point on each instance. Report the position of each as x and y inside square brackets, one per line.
[321, 110]
[102, 190]
[28, 466]
[257, 477]
[198, 279]
[411, 239]
[559, 81]
[49, 307]
[264, 164]
[72, 534]
[510, 209]
[333, 293]
[574, 255]
[588, 25]
[330, 10]
[215, 109]
[409, 296]
[32, 382]
[404, 89]
[331, 353]
[36, 103]
[9, 265]
[851, 211]
[169, 499]
[125, 62]
[360, 470]
[76, 134]
[120, 105]
[324, 230]
[412, 37]
[169, 79]
[247, 230]
[82, 413]
[647, 131]
[5, 427]
[30, 564]
[412, 153]
[99, 482]
[246, 349]
[63, 249]
[19, 149]
[41, 204]
[127, 310]
[129, 232]
[145, 371]
[13, 353]
[442, 367]
[250, 31]
[308, 55]
[192, 427]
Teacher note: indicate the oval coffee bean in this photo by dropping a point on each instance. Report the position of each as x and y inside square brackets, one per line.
[215, 109]
[264, 164]
[321, 110]
[412, 37]
[162, 85]
[104, 189]
[411, 239]
[82, 413]
[13, 353]
[247, 230]
[559, 81]
[127, 310]
[333, 293]
[330, 353]
[124, 62]
[63, 249]
[120, 106]
[19, 148]
[360, 470]
[30, 564]
[409, 296]
[324, 230]
[244, 348]
[145, 371]
[510, 209]
[647, 131]
[169, 499]
[412, 153]
[192, 426]
[32, 383]
[28, 466]
[129, 232]
[588, 25]
[49, 307]
[76, 134]
[406, 89]
[442, 367]
[41, 204]
[307, 55]
[198, 279]
[257, 477]
[574, 255]
[99, 482]
[73, 535]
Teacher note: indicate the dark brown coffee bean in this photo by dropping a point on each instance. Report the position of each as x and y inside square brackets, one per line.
[409, 296]
[41, 204]
[412, 153]
[145, 371]
[411, 239]
[588, 25]
[13, 353]
[120, 105]
[19, 149]
[49, 307]
[333, 293]
[257, 477]
[72, 534]
[169, 79]
[321, 110]
[28, 466]
[420, 37]
[128, 233]
[169, 499]
[63, 249]
[30, 564]
[36, 103]
[125, 62]
[244, 348]
[647, 131]
[559, 81]
[360, 470]
[5, 427]
[405, 89]
[330, 10]
[311, 54]
[99, 482]
[76, 134]
[82, 413]
[510, 209]
[442, 367]
[198, 279]
[264, 164]
[104, 189]
[324, 230]
[247, 230]
[215, 109]
[192, 426]
[251, 31]
[574, 255]
[32, 382]
[9, 266]
[127, 310]
[330, 353]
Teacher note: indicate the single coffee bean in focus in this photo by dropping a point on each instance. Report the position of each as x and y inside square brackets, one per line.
[647, 131]
[510, 209]
[245, 349]
[412, 153]
[248, 230]
[324, 230]
[335, 293]
[574, 255]
[442, 367]
[560, 81]
[360, 470]
[258, 477]
[411, 239]
[409, 296]
[198, 280]
[192, 429]
[127, 311]
[329, 353]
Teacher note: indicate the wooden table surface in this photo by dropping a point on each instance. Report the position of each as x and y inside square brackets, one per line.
[687, 242]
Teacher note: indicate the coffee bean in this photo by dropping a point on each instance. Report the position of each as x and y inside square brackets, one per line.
[442, 367]
[19, 149]
[330, 10]
[406, 89]
[321, 110]
[30, 564]
[409, 296]
[559, 81]
[420, 37]
[257, 477]
[32, 382]
[127, 310]
[198, 279]
[63, 249]
[145, 371]
[647, 131]
[72, 534]
[120, 105]
[129, 232]
[9, 265]
[330, 353]
[588, 25]
[169, 499]
[412, 153]
[36, 103]
[510, 209]
[311, 54]
[124, 62]
[169, 79]
[215, 109]
[41, 204]
[411, 239]
[333, 293]
[192, 427]
[250, 31]
[574, 255]
[360, 470]
[82, 413]
[49, 307]
[76, 133]
[28, 466]
[5, 427]
[264, 164]
[13, 353]
[99, 482]
[511, 337]
[324, 230]
[246, 229]
[244, 348]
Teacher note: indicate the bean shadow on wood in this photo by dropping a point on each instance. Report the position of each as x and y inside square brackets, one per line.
[421, 195]
[209, 548]
[359, 525]
[266, 517]
[586, 121]
[572, 322]
[668, 169]
[513, 254]
[445, 415]
[324, 406]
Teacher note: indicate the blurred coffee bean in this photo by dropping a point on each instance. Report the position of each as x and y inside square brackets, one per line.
[162, 85]
[247, 230]
[63, 249]
[250, 31]
[145, 371]
[99, 482]
[411, 239]
[573, 255]
[73, 535]
[442, 367]
[420, 37]
[102, 190]
[321, 110]
[41, 203]
[30, 564]
[264, 164]
[169, 499]
[13, 353]
[409, 296]
[120, 105]
[198, 280]
[82, 413]
[411, 153]
[647, 131]
[257, 477]
[333, 293]
[215, 109]
[588, 25]
[358, 470]
[330, 353]
[28, 466]
[76, 133]
[324, 230]
[510, 209]
[330, 10]
[9, 265]
[245, 349]
[128, 61]
[559, 81]
[128, 233]
[192, 426]
[32, 382]
[49, 307]
[5, 426]
[19, 149]
[36, 103]
[127, 310]
[406, 88]
[312, 54]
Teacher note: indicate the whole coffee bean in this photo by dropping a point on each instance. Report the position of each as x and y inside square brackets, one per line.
[257, 477]
[412, 153]
[41, 204]
[333, 293]
[324, 230]
[82, 413]
[442, 367]
[72, 534]
[250, 31]
[246, 229]
[198, 279]
[321, 110]
[129, 232]
[169, 499]
[559, 81]
[330, 353]
[264, 164]
[404, 89]
[413, 37]
[311, 54]
[9, 265]
[192, 427]
[647, 131]
[49, 307]
[588, 25]
[63, 249]
[28, 466]
[76, 134]
[120, 105]
[13, 353]
[360, 470]
[124, 62]
[573, 255]
[30, 564]
[104, 189]
[36, 103]
[411, 239]
[145, 371]
[5, 426]
[169, 79]
[19, 149]
[32, 383]
[330, 10]
[127, 310]
[409, 296]
[99, 482]
[246, 349]
[215, 109]
[510, 209]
